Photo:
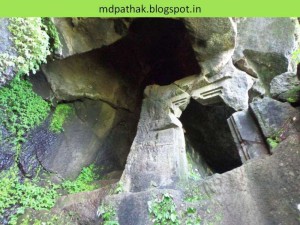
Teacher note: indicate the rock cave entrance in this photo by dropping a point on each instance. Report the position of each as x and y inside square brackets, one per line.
[208, 135]
[159, 51]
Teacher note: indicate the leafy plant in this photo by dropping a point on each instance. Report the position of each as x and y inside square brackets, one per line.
[119, 189]
[273, 142]
[50, 218]
[194, 174]
[83, 182]
[194, 194]
[296, 56]
[25, 194]
[163, 210]
[30, 47]
[293, 95]
[108, 215]
[191, 217]
[62, 112]
[21, 109]
[51, 30]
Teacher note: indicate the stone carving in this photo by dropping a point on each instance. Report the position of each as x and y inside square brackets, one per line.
[230, 86]
[247, 136]
[159, 144]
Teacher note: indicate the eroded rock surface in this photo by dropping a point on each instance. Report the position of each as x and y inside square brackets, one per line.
[88, 76]
[213, 40]
[264, 46]
[286, 87]
[79, 35]
[264, 191]
[275, 118]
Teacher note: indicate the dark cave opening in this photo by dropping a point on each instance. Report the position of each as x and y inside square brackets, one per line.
[209, 134]
[155, 51]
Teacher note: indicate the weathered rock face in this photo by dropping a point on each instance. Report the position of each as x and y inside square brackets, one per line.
[286, 87]
[84, 204]
[197, 163]
[88, 76]
[94, 133]
[157, 156]
[264, 46]
[7, 153]
[213, 40]
[81, 140]
[79, 35]
[132, 208]
[256, 91]
[276, 119]
[84, 141]
[41, 86]
[264, 191]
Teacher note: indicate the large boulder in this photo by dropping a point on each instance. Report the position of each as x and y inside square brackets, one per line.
[137, 213]
[263, 191]
[264, 46]
[213, 40]
[79, 35]
[277, 120]
[88, 76]
[94, 133]
[286, 87]
[81, 142]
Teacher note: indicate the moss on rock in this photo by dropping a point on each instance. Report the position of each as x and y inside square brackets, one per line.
[28, 47]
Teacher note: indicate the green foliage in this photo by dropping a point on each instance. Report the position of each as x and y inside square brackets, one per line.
[296, 56]
[108, 215]
[192, 172]
[273, 142]
[30, 44]
[62, 112]
[83, 182]
[21, 109]
[28, 194]
[194, 194]
[51, 30]
[191, 217]
[46, 219]
[163, 210]
[119, 189]
[293, 95]
[25, 194]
